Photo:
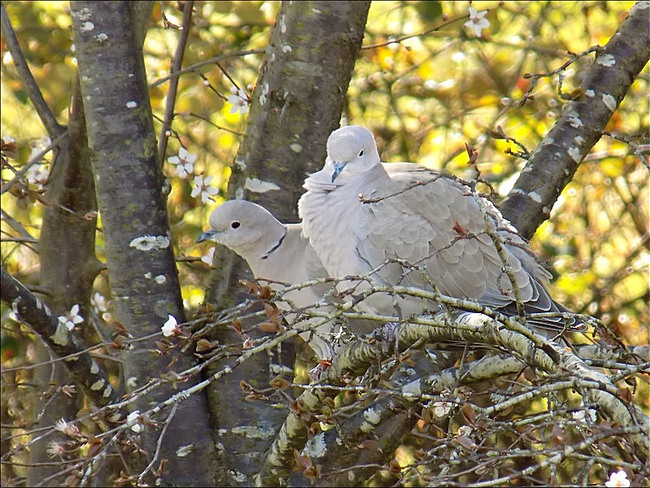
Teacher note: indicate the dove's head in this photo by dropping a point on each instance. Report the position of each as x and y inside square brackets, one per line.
[244, 227]
[352, 148]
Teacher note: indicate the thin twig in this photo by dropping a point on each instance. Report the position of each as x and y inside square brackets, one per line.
[54, 129]
[173, 84]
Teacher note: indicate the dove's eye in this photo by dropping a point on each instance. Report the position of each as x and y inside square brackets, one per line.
[235, 224]
[361, 153]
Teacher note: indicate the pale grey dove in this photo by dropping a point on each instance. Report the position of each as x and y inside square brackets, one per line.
[359, 213]
[276, 252]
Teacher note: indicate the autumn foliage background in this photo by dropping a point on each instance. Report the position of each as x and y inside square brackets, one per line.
[424, 83]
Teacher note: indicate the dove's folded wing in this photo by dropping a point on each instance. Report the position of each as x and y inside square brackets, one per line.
[406, 225]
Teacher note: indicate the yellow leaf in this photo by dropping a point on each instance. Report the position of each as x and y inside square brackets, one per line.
[572, 283]
[612, 167]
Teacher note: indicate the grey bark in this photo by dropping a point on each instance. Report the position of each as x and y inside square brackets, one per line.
[555, 160]
[66, 250]
[35, 313]
[297, 102]
[142, 273]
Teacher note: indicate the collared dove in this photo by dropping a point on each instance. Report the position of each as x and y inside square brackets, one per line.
[276, 252]
[360, 215]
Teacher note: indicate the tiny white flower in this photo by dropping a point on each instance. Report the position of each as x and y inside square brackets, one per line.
[618, 478]
[68, 429]
[132, 421]
[8, 139]
[464, 430]
[42, 143]
[578, 416]
[37, 174]
[583, 415]
[99, 302]
[208, 258]
[69, 390]
[55, 449]
[477, 21]
[170, 327]
[71, 318]
[239, 100]
[201, 186]
[184, 162]
[440, 409]
[60, 425]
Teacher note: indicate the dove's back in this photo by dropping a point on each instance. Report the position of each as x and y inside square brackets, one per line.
[359, 213]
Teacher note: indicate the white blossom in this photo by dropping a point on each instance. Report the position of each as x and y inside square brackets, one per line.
[201, 186]
[71, 318]
[184, 162]
[440, 409]
[60, 425]
[38, 146]
[170, 327]
[133, 422]
[583, 415]
[477, 21]
[68, 429]
[239, 100]
[619, 478]
[55, 449]
[99, 302]
[38, 175]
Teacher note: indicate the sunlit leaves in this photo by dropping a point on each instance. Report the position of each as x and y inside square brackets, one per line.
[425, 97]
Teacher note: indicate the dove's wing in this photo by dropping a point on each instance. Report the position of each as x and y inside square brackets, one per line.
[429, 228]
[464, 260]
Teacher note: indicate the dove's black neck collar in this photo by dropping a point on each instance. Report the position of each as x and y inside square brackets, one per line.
[270, 251]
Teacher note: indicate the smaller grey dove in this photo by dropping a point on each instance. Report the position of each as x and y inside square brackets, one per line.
[276, 252]
[403, 224]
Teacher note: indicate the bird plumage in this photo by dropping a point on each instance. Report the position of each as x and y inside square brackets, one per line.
[276, 252]
[359, 213]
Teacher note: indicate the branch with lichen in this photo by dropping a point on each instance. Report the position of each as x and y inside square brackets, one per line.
[555, 160]
[83, 369]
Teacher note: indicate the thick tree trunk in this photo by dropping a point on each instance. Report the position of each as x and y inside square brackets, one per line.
[297, 102]
[66, 249]
[129, 181]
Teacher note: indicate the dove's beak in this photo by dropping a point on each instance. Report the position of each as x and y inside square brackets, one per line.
[338, 167]
[207, 235]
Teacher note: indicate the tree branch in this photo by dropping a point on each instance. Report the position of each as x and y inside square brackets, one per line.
[555, 160]
[47, 117]
[173, 82]
[83, 369]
